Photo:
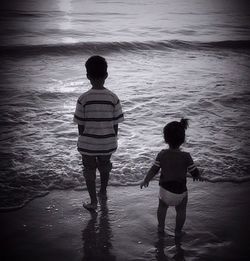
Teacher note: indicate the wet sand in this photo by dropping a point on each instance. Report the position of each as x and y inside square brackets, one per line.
[57, 227]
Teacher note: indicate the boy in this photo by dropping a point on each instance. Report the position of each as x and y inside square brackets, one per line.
[98, 112]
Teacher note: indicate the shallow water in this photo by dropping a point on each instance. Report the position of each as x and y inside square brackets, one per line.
[125, 226]
[158, 80]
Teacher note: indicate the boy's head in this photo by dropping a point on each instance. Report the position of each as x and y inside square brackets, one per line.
[174, 133]
[96, 67]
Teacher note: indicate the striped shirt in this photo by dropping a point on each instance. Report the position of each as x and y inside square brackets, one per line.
[98, 110]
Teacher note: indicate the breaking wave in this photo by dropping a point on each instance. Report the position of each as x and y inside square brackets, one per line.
[109, 47]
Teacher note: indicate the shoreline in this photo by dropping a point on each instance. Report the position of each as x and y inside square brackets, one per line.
[57, 227]
[235, 180]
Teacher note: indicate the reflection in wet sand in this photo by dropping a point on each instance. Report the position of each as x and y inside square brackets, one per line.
[166, 253]
[97, 236]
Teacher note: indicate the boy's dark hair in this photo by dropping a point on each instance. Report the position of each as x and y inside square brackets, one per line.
[174, 133]
[96, 67]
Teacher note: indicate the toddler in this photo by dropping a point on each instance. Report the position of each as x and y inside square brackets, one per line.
[174, 164]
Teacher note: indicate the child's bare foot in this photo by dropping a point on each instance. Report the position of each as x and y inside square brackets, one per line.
[161, 230]
[179, 234]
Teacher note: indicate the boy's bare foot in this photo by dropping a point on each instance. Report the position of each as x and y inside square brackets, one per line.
[102, 195]
[90, 206]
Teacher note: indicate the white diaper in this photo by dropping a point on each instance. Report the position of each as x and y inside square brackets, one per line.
[171, 199]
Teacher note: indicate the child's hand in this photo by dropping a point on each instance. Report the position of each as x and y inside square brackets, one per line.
[143, 184]
[198, 178]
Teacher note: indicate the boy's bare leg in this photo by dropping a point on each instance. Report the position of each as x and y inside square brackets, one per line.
[104, 166]
[89, 172]
[91, 186]
[180, 216]
[104, 182]
[161, 215]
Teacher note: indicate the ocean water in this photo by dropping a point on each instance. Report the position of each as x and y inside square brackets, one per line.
[167, 60]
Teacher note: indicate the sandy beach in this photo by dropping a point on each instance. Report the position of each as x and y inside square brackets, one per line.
[57, 227]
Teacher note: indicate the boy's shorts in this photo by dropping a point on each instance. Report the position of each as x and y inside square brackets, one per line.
[102, 163]
[171, 199]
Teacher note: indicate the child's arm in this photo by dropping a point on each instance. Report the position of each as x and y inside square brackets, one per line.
[151, 173]
[196, 174]
[193, 170]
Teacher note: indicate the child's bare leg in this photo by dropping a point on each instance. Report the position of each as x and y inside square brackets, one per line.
[161, 215]
[180, 216]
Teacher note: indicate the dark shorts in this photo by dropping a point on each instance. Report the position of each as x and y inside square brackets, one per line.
[91, 163]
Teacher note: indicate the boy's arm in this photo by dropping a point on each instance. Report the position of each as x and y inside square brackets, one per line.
[117, 114]
[116, 129]
[79, 118]
[80, 129]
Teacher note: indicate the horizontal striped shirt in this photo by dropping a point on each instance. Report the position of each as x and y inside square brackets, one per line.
[98, 110]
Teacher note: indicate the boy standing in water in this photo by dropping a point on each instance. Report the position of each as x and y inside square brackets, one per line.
[174, 165]
[98, 112]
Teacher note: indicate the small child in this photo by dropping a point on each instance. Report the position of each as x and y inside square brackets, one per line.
[98, 112]
[174, 165]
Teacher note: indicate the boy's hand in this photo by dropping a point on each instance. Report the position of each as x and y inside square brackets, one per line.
[143, 184]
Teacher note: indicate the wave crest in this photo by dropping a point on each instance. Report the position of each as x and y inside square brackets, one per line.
[109, 47]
